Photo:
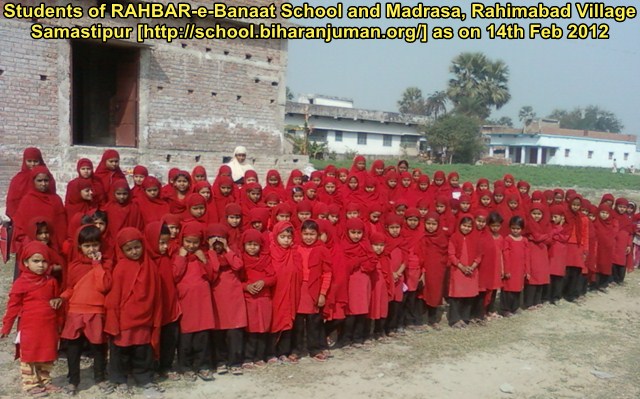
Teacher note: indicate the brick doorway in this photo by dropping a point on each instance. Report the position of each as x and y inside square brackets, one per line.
[105, 94]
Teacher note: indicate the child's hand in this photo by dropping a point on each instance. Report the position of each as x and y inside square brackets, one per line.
[226, 244]
[527, 277]
[251, 289]
[321, 300]
[55, 303]
[4, 335]
[200, 255]
[507, 276]
[96, 256]
[182, 252]
[258, 285]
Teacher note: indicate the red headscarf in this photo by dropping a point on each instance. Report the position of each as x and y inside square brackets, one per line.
[260, 262]
[294, 173]
[28, 280]
[220, 200]
[151, 209]
[190, 201]
[137, 190]
[22, 181]
[287, 264]
[108, 176]
[99, 195]
[356, 253]
[278, 188]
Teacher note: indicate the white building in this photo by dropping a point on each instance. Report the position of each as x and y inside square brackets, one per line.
[544, 142]
[346, 129]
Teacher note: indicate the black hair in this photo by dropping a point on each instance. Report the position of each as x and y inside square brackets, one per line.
[494, 218]
[297, 189]
[465, 219]
[287, 230]
[310, 225]
[89, 234]
[102, 215]
[164, 230]
[516, 221]
[41, 225]
[404, 162]
[86, 219]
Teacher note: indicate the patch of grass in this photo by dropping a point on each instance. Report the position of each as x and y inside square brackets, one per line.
[537, 176]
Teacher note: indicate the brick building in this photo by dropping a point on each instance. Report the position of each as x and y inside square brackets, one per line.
[160, 104]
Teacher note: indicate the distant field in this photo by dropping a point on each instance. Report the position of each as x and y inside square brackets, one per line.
[537, 176]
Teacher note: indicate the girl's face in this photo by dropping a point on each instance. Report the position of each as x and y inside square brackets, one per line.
[322, 216]
[112, 163]
[305, 215]
[413, 223]
[225, 190]
[576, 205]
[311, 193]
[199, 177]
[468, 191]
[513, 204]
[498, 198]
[485, 200]
[85, 172]
[516, 230]
[374, 217]
[133, 250]
[431, 225]
[174, 230]
[353, 183]
[631, 210]
[250, 179]
[557, 219]
[41, 182]
[309, 236]
[481, 222]
[604, 215]
[298, 196]
[405, 181]
[400, 210]
[191, 244]
[379, 171]
[137, 179]
[31, 163]
[205, 192]
[423, 186]
[558, 199]
[465, 206]
[234, 220]
[402, 168]
[536, 215]
[121, 195]
[152, 192]
[466, 228]
[163, 243]
[454, 182]
[508, 183]
[352, 214]
[369, 189]
[317, 180]
[621, 209]
[197, 211]
[378, 248]
[523, 190]
[330, 188]
[495, 228]
[355, 235]
[257, 225]
[283, 217]
[36, 263]
[254, 196]
[181, 184]
[361, 165]
[272, 204]
[252, 248]
[483, 186]
[297, 181]
[438, 181]
[88, 249]
[343, 177]
[285, 239]
[43, 234]
[591, 217]
[423, 212]
[394, 230]
[100, 224]
[86, 194]
[392, 183]
[273, 181]
[440, 208]
[333, 218]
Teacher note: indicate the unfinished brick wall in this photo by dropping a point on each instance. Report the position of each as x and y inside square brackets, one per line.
[199, 97]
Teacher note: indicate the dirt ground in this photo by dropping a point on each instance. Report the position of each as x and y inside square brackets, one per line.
[548, 353]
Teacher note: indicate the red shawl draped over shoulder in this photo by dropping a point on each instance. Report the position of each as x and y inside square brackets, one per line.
[151, 209]
[99, 196]
[22, 181]
[287, 264]
[107, 176]
[123, 215]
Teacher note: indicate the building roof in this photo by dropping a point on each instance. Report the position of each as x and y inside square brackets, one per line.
[353, 113]
[552, 130]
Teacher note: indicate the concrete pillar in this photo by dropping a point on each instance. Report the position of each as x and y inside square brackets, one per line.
[506, 152]
[539, 160]
[490, 151]
[522, 154]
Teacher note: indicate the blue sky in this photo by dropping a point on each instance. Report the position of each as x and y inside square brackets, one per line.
[545, 74]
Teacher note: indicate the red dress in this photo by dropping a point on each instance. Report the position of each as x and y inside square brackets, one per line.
[287, 264]
[557, 251]
[538, 254]
[433, 258]
[516, 263]
[194, 293]
[259, 305]
[463, 249]
[229, 308]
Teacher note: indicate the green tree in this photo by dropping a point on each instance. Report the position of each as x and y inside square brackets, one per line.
[526, 115]
[502, 121]
[480, 82]
[590, 117]
[457, 136]
[412, 102]
[436, 104]
[290, 94]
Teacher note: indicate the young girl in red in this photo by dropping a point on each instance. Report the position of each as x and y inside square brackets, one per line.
[22, 181]
[433, 259]
[316, 280]
[517, 268]
[624, 240]
[394, 242]
[258, 279]
[108, 170]
[193, 273]
[139, 173]
[606, 229]
[223, 194]
[577, 248]
[233, 224]
[492, 268]
[538, 234]
[229, 309]
[413, 234]
[34, 298]
[85, 172]
[157, 237]
[133, 314]
[381, 287]
[87, 283]
[121, 210]
[151, 206]
[287, 264]
[274, 185]
[181, 188]
[557, 252]
[464, 257]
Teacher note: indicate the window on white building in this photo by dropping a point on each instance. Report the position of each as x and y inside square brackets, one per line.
[567, 152]
[387, 139]
[626, 156]
[409, 140]
[590, 154]
[362, 138]
[610, 155]
[338, 136]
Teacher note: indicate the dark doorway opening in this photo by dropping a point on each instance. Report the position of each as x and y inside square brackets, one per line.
[105, 94]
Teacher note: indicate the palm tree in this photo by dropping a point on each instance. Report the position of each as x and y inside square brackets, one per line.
[436, 104]
[412, 102]
[526, 115]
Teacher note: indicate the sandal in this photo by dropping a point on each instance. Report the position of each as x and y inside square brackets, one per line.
[189, 376]
[205, 375]
[106, 387]
[293, 359]
[235, 370]
[37, 392]
[248, 366]
[272, 360]
[320, 357]
[51, 388]
[152, 386]
[173, 376]
[261, 363]
[220, 370]
[70, 389]
[123, 389]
